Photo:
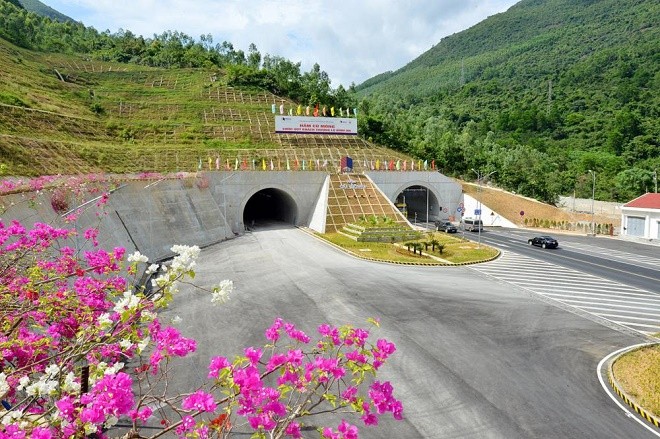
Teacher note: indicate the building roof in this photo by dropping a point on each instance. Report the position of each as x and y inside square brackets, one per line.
[646, 201]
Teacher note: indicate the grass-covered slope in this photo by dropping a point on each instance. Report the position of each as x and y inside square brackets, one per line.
[66, 114]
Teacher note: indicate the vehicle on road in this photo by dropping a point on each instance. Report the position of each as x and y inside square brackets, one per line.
[544, 241]
[472, 225]
[445, 226]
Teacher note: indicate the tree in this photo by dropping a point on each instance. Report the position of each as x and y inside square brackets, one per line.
[254, 57]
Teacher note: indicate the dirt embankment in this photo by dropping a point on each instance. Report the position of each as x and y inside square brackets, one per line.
[510, 205]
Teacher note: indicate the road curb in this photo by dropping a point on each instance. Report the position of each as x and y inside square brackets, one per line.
[623, 395]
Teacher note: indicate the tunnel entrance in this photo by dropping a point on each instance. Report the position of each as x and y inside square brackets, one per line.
[420, 205]
[270, 206]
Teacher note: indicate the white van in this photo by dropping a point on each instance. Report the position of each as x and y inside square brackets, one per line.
[472, 224]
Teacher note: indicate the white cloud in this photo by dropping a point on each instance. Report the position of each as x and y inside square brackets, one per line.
[351, 40]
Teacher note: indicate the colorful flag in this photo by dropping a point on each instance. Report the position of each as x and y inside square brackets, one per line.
[217, 163]
[355, 112]
[318, 164]
[227, 167]
[398, 165]
[391, 165]
[316, 110]
[332, 111]
[299, 110]
[290, 111]
[273, 108]
[323, 111]
[433, 164]
[281, 108]
[419, 165]
[236, 164]
[288, 167]
[378, 165]
[271, 165]
[405, 165]
[372, 165]
[412, 165]
[341, 112]
[296, 165]
[307, 111]
[244, 165]
[426, 164]
[303, 164]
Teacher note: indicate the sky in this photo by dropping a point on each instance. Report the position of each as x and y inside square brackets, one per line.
[351, 40]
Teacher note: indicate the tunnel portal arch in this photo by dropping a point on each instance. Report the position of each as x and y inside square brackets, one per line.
[419, 203]
[270, 204]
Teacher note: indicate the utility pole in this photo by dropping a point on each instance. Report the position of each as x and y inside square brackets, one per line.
[593, 197]
[480, 179]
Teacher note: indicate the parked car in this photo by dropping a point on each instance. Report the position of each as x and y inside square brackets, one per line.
[544, 241]
[472, 225]
[445, 226]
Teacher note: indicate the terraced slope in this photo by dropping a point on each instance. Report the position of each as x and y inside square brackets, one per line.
[66, 115]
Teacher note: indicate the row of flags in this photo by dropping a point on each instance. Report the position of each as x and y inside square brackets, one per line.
[311, 165]
[316, 111]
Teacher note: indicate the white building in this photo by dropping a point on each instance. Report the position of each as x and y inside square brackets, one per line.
[640, 218]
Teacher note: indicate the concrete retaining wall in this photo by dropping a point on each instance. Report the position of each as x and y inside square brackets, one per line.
[151, 216]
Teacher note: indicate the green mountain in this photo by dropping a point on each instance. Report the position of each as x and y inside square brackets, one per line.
[41, 9]
[541, 94]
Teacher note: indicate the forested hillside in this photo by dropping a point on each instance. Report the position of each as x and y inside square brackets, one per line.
[32, 28]
[41, 9]
[540, 94]
[537, 96]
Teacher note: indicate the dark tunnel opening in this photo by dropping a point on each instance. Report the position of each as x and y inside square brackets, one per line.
[268, 206]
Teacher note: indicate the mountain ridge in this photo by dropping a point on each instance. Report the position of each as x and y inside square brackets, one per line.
[44, 10]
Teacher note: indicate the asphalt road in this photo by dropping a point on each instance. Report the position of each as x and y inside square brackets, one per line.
[627, 262]
[476, 358]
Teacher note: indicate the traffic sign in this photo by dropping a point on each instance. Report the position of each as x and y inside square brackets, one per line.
[477, 211]
[459, 209]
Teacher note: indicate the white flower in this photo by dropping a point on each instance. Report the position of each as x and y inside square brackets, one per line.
[114, 369]
[137, 257]
[90, 428]
[23, 382]
[221, 291]
[152, 269]
[70, 384]
[104, 321]
[130, 301]
[10, 416]
[185, 259]
[4, 387]
[42, 388]
[177, 319]
[125, 343]
[143, 344]
[52, 370]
